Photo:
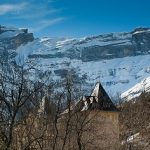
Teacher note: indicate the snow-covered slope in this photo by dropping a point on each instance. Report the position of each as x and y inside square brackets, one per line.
[118, 60]
[117, 75]
[135, 91]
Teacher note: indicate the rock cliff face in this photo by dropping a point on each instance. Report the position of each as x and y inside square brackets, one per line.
[108, 46]
[10, 39]
[141, 38]
[116, 45]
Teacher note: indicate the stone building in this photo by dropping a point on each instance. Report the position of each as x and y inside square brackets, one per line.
[97, 117]
[106, 120]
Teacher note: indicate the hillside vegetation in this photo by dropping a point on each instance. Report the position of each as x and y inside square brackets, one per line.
[135, 123]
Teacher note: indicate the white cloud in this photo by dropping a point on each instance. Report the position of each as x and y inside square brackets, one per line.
[46, 23]
[9, 8]
[32, 14]
[35, 15]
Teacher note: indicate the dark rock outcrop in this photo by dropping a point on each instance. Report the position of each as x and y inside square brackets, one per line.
[11, 39]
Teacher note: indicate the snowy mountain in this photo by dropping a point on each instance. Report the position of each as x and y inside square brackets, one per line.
[135, 91]
[118, 60]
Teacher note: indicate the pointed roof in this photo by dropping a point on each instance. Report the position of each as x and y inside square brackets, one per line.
[98, 99]
[102, 98]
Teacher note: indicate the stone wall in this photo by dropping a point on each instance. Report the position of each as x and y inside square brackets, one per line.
[96, 130]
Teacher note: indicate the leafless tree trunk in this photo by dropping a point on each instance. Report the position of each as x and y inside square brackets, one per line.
[17, 97]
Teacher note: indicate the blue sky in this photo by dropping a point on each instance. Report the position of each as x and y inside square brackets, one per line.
[75, 18]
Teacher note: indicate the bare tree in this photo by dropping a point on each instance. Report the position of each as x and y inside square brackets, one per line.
[18, 97]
